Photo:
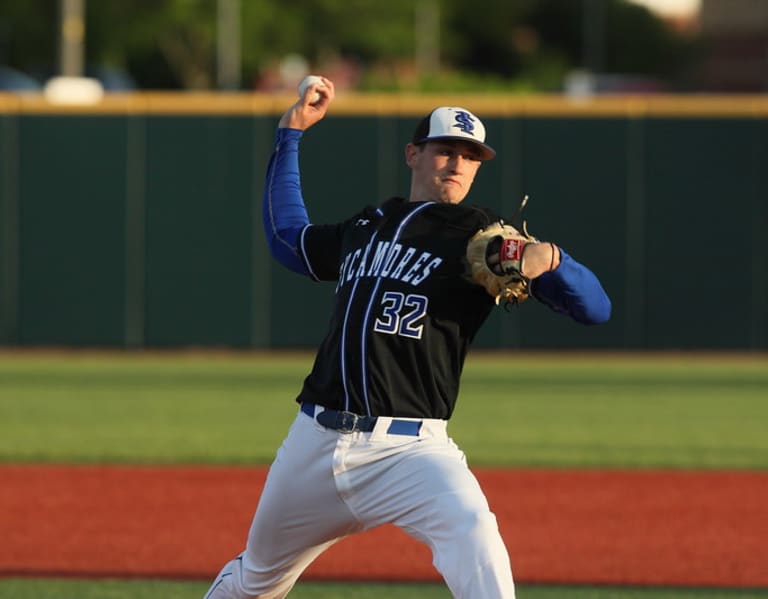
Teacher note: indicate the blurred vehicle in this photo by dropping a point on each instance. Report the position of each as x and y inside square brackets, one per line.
[111, 79]
[12, 80]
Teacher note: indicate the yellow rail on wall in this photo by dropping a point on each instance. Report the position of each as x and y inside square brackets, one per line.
[350, 104]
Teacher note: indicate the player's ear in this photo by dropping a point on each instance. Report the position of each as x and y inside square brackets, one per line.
[411, 151]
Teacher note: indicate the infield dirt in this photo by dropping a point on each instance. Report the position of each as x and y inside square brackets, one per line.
[697, 528]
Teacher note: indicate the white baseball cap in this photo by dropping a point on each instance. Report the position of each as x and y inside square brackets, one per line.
[453, 123]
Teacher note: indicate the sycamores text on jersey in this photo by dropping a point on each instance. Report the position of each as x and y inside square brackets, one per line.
[385, 259]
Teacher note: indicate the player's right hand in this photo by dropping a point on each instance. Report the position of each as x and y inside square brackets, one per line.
[302, 115]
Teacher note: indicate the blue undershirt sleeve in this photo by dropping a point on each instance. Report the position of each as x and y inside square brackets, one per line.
[283, 211]
[574, 290]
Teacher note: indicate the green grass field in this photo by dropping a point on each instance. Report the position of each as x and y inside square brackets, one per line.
[667, 411]
[558, 410]
[155, 589]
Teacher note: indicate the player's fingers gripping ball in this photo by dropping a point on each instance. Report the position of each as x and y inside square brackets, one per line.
[495, 258]
[314, 80]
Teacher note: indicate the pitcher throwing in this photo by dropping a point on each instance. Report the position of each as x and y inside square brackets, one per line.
[369, 444]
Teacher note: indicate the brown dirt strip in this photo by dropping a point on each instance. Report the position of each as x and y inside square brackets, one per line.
[561, 526]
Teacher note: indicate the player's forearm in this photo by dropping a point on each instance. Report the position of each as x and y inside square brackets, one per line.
[574, 290]
[283, 211]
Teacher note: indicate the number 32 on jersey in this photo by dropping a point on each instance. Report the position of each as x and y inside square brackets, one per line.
[401, 314]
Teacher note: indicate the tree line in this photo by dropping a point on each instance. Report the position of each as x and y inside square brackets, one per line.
[398, 44]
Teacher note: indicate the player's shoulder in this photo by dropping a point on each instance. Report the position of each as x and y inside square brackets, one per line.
[461, 216]
[466, 215]
[368, 214]
[393, 205]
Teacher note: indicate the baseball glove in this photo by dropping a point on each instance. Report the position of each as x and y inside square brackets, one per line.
[495, 258]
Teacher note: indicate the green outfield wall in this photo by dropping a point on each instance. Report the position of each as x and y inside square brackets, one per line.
[136, 222]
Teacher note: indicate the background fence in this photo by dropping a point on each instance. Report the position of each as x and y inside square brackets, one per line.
[137, 223]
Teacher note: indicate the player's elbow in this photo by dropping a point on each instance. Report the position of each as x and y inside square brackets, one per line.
[596, 312]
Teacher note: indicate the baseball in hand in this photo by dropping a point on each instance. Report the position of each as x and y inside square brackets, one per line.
[309, 80]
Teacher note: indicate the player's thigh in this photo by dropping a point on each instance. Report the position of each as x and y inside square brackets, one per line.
[427, 481]
[300, 505]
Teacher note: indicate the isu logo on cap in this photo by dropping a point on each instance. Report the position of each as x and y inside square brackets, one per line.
[465, 122]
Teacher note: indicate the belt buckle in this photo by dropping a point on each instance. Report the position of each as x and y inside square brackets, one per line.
[346, 422]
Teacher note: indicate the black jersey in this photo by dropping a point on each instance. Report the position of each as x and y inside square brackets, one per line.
[405, 312]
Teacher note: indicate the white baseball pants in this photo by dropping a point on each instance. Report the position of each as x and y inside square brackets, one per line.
[325, 485]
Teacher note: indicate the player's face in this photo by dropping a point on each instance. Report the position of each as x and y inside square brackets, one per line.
[443, 171]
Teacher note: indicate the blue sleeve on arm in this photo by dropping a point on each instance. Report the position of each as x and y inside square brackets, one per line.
[574, 290]
[283, 211]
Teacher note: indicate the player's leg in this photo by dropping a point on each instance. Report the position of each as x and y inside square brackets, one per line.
[299, 516]
[428, 491]
[466, 544]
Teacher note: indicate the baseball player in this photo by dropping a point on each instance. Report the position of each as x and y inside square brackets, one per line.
[369, 444]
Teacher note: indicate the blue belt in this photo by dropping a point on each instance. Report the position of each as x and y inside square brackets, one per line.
[349, 422]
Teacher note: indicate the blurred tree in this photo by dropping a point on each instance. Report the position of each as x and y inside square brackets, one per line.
[362, 28]
[539, 41]
[29, 35]
[171, 43]
[525, 44]
[634, 40]
[330, 33]
[481, 35]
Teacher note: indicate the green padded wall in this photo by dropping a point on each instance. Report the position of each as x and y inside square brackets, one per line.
[71, 228]
[142, 228]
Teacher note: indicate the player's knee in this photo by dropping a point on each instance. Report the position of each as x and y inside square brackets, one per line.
[475, 527]
[474, 540]
[475, 562]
